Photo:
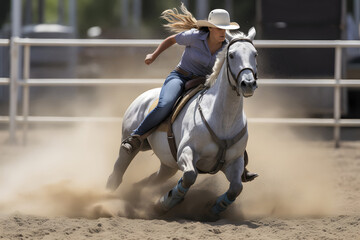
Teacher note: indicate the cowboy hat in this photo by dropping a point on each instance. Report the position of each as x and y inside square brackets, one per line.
[218, 18]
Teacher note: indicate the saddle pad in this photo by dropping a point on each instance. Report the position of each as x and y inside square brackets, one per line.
[183, 100]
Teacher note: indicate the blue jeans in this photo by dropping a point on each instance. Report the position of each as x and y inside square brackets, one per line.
[171, 90]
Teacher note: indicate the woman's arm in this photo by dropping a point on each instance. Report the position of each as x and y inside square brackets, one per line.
[168, 42]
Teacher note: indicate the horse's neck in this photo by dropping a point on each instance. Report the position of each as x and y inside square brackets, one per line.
[226, 105]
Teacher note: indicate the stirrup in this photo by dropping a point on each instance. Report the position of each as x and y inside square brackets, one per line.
[131, 143]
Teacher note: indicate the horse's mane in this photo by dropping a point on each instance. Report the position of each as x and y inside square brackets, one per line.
[220, 59]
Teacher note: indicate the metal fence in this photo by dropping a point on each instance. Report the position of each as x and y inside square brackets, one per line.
[26, 82]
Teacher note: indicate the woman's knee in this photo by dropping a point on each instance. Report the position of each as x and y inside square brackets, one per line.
[165, 107]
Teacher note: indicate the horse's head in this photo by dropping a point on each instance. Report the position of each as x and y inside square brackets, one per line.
[241, 64]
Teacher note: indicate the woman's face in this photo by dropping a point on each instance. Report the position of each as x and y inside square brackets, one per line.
[217, 34]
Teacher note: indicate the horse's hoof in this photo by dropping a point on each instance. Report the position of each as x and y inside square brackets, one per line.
[159, 209]
[210, 216]
[113, 182]
[171, 199]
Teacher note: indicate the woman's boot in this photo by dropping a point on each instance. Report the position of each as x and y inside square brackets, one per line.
[132, 143]
[247, 176]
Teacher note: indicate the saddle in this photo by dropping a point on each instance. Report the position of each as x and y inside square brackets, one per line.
[192, 87]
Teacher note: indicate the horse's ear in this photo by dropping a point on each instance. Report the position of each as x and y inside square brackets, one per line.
[251, 33]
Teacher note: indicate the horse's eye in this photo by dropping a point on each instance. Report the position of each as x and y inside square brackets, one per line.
[231, 55]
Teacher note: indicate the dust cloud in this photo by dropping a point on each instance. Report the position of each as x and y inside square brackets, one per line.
[63, 172]
[297, 177]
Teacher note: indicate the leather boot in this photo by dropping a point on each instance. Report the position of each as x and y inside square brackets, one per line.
[247, 176]
[131, 143]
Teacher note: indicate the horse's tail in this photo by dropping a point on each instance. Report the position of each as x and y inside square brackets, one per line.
[179, 22]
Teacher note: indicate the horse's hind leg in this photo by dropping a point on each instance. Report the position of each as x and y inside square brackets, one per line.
[122, 163]
[163, 174]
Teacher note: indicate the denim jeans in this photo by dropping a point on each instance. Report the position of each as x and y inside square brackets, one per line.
[171, 90]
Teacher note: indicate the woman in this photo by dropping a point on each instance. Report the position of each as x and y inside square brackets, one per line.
[203, 40]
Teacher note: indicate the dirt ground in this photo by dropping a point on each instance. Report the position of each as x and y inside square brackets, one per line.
[54, 188]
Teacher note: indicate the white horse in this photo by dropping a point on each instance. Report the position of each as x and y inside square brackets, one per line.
[210, 131]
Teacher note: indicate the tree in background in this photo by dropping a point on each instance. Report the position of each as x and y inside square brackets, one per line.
[116, 17]
[108, 16]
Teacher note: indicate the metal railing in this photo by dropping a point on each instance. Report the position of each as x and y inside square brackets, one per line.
[337, 83]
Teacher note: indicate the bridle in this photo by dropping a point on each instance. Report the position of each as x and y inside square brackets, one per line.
[236, 86]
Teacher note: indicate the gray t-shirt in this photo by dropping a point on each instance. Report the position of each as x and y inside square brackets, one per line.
[197, 58]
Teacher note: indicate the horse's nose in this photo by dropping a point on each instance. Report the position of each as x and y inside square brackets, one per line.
[248, 83]
[254, 84]
[243, 84]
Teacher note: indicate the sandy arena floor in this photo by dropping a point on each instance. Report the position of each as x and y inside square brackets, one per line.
[53, 188]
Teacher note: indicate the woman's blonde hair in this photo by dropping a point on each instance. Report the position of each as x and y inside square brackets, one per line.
[179, 22]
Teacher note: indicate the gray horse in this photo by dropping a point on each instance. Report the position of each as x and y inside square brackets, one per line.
[210, 132]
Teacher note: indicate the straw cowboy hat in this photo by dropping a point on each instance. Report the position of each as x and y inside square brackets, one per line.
[218, 18]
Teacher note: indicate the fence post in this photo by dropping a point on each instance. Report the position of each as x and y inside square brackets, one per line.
[337, 96]
[14, 76]
[26, 92]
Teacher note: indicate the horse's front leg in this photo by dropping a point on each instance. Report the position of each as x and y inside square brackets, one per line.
[177, 194]
[233, 173]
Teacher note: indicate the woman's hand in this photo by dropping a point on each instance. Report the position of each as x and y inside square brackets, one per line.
[149, 59]
[168, 42]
